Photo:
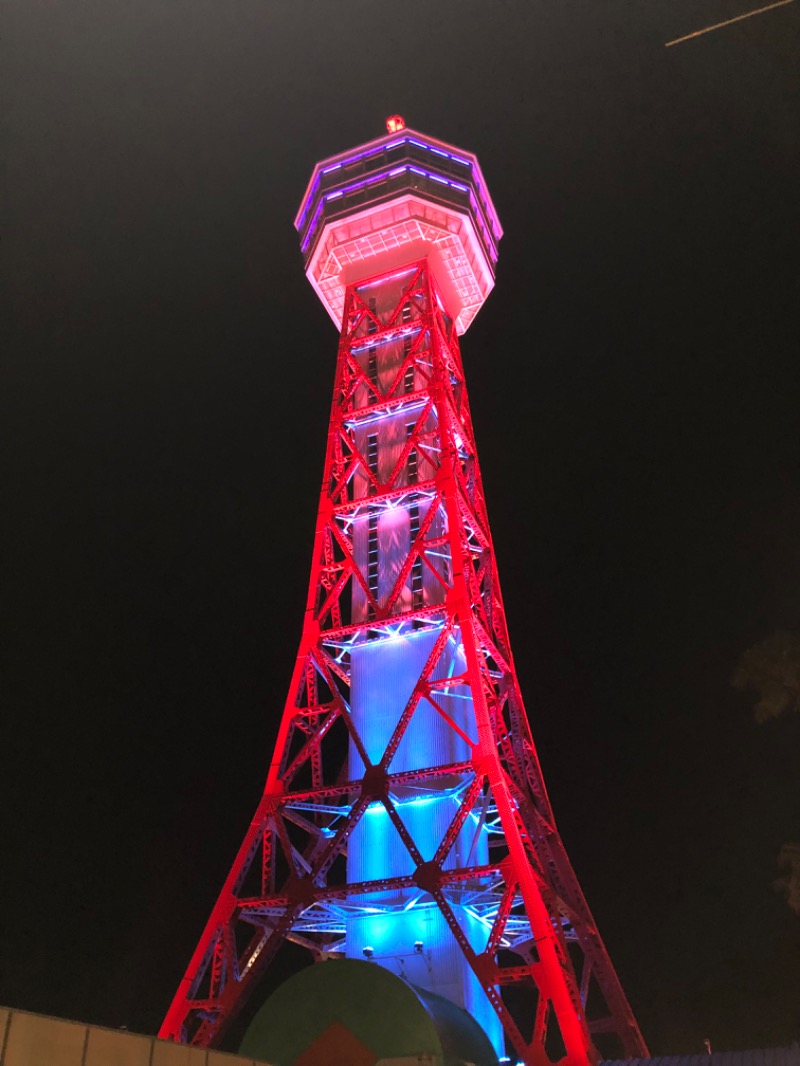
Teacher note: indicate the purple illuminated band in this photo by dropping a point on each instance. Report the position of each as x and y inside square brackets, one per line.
[380, 176]
[381, 146]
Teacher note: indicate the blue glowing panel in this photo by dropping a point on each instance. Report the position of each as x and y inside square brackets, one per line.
[418, 945]
[387, 926]
[383, 676]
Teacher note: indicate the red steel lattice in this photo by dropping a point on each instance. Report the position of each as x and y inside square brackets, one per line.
[289, 878]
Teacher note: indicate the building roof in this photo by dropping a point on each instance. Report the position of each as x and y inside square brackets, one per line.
[770, 1056]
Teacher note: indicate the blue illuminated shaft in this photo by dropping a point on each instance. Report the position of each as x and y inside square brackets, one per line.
[404, 930]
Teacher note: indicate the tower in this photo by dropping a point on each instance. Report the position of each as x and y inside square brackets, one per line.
[405, 819]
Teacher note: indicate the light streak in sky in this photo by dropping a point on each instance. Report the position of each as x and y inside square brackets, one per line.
[727, 22]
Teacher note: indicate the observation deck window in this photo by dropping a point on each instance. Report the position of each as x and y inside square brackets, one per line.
[412, 468]
[417, 590]
[372, 374]
[372, 556]
[372, 459]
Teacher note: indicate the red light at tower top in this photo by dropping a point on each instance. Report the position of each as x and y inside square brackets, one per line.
[395, 123]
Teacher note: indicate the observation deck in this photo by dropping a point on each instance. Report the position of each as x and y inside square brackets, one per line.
[399, 198]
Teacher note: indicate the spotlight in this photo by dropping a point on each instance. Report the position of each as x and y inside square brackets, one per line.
[367, 952]
[418, 946]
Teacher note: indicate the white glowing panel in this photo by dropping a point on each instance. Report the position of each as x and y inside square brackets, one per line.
[388, 235]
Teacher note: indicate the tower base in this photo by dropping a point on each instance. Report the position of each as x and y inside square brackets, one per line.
[345, 1012]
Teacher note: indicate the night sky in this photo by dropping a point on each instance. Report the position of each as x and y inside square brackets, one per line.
[635, 392]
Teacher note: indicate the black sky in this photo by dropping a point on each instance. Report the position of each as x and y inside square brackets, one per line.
[635, 389]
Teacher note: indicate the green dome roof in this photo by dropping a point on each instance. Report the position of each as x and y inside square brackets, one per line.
[386, 1015]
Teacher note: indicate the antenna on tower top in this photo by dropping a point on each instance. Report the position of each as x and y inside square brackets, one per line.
[395, 123]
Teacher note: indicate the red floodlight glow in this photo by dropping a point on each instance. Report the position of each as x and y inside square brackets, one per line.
[404, 803]
[395, 123]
